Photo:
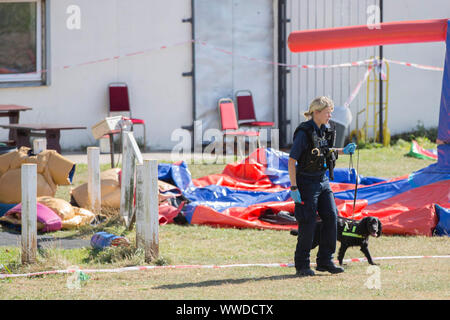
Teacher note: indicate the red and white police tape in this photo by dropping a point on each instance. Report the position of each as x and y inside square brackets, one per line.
[206, 44]
[415, 65]
[358, 87]
[196, 266]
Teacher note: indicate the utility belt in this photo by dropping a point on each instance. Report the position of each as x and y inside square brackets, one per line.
[311, 177]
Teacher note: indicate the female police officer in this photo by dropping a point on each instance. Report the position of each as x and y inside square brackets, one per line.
[312, 154]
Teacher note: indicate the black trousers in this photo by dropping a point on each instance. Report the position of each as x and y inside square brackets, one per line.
[318, 199]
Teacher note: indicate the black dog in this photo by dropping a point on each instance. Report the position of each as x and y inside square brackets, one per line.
[351, 233]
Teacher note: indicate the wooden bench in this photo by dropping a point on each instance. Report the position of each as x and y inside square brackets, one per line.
[12, 111]
[52, 132]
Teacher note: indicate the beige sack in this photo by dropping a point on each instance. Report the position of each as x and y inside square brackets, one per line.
[61, 207]
[12, 160]
[52, 168]
[11, 187]
[81, 217]
[60, 168]
[110, 190]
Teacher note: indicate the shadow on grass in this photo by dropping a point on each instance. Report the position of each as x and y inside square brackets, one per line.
[212, 283]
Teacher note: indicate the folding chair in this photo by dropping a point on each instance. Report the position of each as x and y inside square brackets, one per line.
[119, 102]
[246, 110]
[229, 123]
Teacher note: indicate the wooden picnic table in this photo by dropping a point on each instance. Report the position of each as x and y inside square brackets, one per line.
[12, 111]
[52, 132]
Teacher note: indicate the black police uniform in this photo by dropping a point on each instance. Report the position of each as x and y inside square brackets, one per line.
[311, 149]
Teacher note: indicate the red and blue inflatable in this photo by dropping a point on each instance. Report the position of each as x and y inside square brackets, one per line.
[246, 193]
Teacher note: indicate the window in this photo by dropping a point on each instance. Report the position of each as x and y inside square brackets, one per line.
[22, 38]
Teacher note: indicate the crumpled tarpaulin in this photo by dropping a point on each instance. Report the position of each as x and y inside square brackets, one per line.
[443, 227]
[417, 151]
[245, 191]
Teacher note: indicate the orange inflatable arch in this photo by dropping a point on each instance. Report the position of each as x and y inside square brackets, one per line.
[368, 35]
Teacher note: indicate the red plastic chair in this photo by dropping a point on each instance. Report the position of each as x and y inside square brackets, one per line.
[246, 110]
[119, 102]
[228, 119]
[229, 123]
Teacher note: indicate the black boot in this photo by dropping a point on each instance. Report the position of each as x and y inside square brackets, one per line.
[331, 268]
[307, 272]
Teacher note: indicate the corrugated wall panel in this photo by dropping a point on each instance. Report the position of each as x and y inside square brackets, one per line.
[306, 84]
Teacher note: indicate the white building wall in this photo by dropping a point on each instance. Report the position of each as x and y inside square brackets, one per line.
[110, 28]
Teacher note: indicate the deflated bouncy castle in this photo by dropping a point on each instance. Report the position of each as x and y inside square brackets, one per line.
[254, 193]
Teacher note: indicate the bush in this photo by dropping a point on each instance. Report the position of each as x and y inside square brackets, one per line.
[419, 133]
[426, 137]
[124, 255]
[369, 145]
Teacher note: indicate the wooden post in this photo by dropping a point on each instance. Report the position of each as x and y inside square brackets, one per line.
[29, 212]
[147, 222]
[94, 186]
[39, 145]
[127, 179]
[139, 214]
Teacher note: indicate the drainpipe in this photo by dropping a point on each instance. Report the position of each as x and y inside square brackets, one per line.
[282, 71]
[191, 74]
[381, 81]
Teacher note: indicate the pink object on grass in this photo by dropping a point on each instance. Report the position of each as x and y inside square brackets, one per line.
[45, 215]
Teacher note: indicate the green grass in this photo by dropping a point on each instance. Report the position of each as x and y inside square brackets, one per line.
[179, 245]
[389, 162]
[189, 245]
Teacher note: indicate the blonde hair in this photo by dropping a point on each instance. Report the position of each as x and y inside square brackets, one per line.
[318, 104]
